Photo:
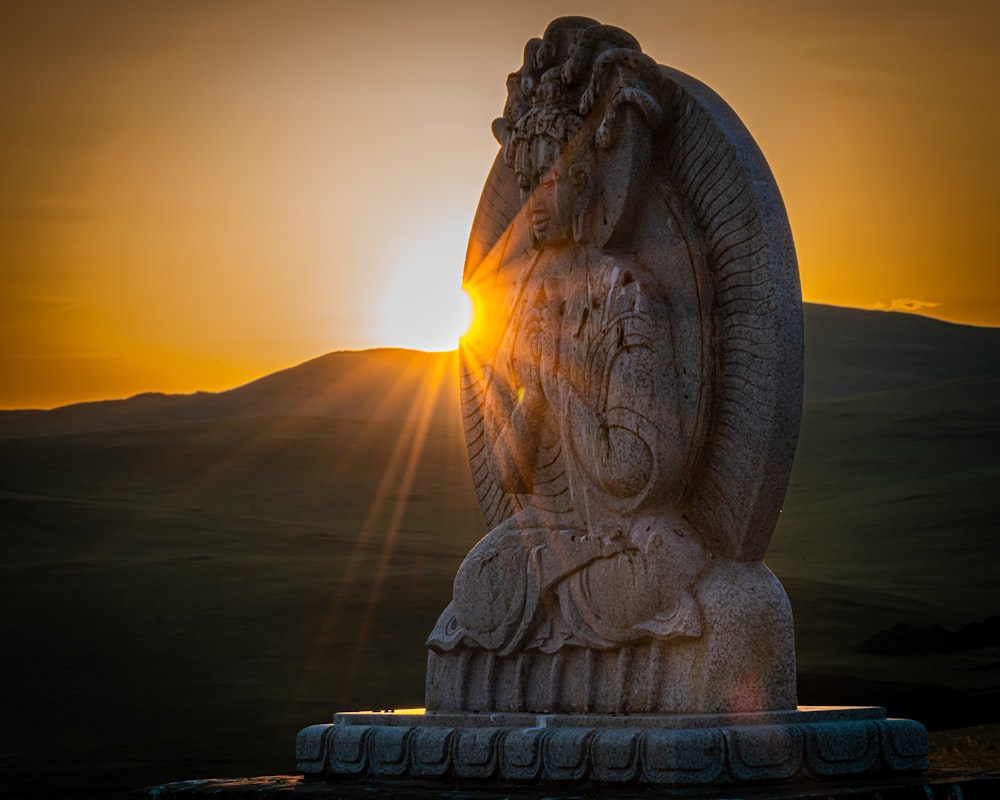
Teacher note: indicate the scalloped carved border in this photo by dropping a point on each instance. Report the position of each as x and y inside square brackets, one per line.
[735, 754]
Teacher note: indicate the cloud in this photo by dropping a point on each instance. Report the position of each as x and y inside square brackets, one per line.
[904, 304]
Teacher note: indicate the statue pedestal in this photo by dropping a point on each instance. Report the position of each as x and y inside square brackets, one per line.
[677, 749]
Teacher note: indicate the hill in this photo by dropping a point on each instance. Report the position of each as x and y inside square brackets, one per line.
[187, 580]
[850, 351]
[354, 384]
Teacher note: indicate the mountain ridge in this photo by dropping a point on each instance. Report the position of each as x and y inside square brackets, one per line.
[377, 384]
[848, 351]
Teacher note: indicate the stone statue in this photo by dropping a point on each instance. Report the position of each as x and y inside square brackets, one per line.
[632, 389]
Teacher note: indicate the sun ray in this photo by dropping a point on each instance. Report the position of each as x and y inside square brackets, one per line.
[397, 477]
[421, 424]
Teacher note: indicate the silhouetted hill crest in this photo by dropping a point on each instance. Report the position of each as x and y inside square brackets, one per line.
[851, 351]
[848, 351]
[380, 384]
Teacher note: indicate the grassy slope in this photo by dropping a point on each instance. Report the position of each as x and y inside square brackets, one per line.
[892, 513]
[179, 601]
[896, 492]
[179, 598]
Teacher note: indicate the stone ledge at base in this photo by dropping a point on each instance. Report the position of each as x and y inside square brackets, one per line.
[674, 750]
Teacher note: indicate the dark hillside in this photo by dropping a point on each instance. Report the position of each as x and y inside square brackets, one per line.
[356, 384]
[849, 351]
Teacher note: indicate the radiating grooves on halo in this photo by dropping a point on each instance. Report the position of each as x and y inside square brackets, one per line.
[492, 219]
[495, 505]
[708, 172]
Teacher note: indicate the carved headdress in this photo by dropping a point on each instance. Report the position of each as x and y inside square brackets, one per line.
[572, 88]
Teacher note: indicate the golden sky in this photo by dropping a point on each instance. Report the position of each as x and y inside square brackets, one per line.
[194, 193]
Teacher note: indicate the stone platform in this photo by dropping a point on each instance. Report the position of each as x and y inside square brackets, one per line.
[674, 750]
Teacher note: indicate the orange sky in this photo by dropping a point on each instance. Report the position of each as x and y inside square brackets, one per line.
[194, 193]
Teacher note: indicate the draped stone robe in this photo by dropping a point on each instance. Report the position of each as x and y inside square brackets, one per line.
[598, 564]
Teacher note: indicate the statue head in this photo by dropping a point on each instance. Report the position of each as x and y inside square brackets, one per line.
[584, 97]
[553, 158]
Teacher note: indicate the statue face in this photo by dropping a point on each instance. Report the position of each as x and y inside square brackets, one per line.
[548, 194]
[550, 209]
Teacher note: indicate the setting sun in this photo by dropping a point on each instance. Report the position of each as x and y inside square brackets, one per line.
[422, 305]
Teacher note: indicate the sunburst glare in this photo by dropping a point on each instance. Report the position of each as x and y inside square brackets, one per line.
[424, 308]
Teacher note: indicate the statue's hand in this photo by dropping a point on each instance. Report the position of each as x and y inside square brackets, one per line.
[611, 540]
[531, 396]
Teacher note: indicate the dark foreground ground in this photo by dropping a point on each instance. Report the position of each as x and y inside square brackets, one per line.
[185, 582]
[942, 784]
